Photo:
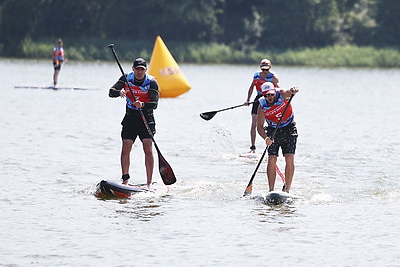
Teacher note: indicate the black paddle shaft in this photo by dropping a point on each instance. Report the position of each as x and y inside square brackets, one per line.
[209, 115]
[166, 172]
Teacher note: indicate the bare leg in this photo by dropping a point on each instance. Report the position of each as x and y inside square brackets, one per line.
[271, 172]
[253, 131]
[125, 157]
[55, 77]
[149, 159]
[289, 171]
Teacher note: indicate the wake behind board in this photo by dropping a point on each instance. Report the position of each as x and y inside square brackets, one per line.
[109, 189]
[280, 197]
[72, 88]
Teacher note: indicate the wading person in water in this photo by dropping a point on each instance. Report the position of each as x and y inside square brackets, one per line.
[264, 75]
[58, 59]
[271, 107]
[145, 90]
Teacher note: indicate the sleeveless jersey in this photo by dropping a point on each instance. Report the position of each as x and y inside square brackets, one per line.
[258, 81]
[141, 92]
[274, 113]
[58, 54]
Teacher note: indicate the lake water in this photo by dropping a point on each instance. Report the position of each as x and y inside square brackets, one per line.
[57, 145]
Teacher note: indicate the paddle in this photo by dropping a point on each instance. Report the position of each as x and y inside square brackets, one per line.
[281, 175]
[166, 172]
[209, 115]
[249, 187]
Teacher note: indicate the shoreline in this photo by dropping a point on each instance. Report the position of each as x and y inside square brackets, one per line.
[194, 53]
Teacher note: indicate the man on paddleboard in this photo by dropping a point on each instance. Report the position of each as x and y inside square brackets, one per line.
[145, 98]
[58, 59]
[264, 75]
[275, 109]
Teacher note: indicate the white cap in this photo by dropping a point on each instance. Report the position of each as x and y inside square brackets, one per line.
[267, 87]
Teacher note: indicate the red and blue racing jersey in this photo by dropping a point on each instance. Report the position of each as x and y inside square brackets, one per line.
[274, 113]
[141, 92]
[258, 81]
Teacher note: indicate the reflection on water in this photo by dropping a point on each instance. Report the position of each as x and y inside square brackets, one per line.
[142, 209]
[276, 214]
[141, 212]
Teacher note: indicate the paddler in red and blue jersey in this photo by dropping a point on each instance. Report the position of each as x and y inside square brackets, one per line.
[265, 75]
[58, 59]
[271, 107]
[146, 95]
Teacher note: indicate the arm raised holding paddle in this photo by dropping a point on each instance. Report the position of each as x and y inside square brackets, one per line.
[281, 131]
[280, 125]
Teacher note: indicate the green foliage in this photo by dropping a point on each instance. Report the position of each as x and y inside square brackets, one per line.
[331, 56]
[213, 30]
[388, 22]
[340, 56]
[36, 50]
[199, 53]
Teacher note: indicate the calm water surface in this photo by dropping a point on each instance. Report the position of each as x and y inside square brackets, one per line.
[57, 145]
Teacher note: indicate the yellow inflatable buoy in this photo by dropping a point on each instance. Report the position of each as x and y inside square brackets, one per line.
[169, 76]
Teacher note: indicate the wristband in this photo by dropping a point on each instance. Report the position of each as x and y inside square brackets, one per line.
[266, 138]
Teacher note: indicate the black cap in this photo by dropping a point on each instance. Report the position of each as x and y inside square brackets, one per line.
[139, 62]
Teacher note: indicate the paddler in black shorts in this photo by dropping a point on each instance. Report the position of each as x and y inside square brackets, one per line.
[145, 90]
[264, 75]
[58, 59]
[271, 107]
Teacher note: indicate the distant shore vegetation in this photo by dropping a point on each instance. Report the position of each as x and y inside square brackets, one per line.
[212, 53]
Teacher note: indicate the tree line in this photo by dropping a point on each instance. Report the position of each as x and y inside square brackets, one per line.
[240, 24]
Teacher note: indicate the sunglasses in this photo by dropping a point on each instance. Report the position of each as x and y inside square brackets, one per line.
[267, 95]
[264, 70]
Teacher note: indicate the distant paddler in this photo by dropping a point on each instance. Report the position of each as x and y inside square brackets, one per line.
[58, 59]
[273, 105]
[264, 75]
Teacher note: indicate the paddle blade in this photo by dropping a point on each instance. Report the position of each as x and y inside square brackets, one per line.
[208, 115]
[248, 190]
[166, 172]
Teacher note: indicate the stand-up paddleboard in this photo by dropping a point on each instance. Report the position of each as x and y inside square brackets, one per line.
[280, 197]
[109, 189]
[52, 87]
[249, 155]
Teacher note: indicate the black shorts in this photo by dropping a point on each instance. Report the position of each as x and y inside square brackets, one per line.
[56, 66]
[133, 126]
[255, 105]
[285, 138]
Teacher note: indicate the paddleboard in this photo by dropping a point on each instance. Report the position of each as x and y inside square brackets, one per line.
[280, 197]
[249, 155]
[109, 189]
[52, 87]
